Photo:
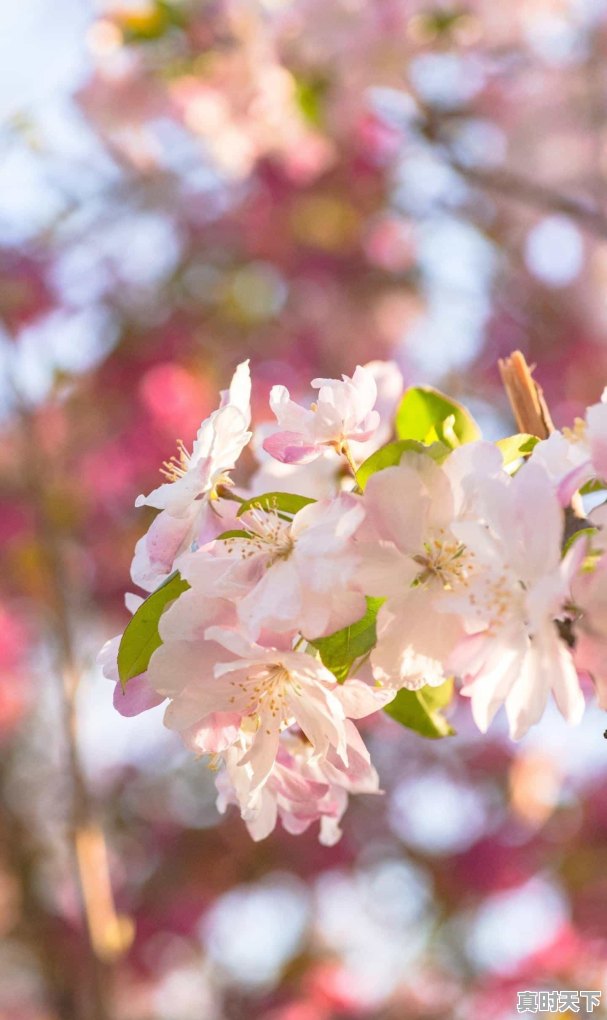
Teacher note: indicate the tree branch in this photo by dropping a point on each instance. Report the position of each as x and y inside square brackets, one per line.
[513, 186]
[107, 933]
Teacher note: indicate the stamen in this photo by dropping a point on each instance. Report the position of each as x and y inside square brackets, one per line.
[577, 433]
[444, 561]
[269, 534]
[267, 690]
[178, 465]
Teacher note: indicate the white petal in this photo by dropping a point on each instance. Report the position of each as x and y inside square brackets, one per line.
[262, 753]
[413, 640]
[359, 699]
[527, 699]
[397, 507]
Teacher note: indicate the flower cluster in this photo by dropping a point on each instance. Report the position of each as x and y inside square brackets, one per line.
[275, 620]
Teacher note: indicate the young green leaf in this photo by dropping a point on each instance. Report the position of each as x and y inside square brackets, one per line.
[588, 532]
[515, 447]
[391, 454]
[159, 18]
[594, 485]
[427, 415]
[310, 97]
[141, 637]
[420, 710]
[284, 503]
[339, 651]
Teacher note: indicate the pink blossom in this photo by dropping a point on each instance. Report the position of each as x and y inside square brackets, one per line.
[412, 558]
[317, 479]
[389, 382]
[178, 668]
[301, 788]
[190, 513]
[596, 419]
[269, 688]
[218, 445]
[342, 412]
[589, 592]
[567, 461]
[287, 575]
[168, 537]
[514, 654]
[320, 478]
[575, 456]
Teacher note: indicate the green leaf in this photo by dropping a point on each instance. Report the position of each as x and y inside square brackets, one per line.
[594, 485]
[282, 502]
[514, 447]
[427, 415]
[581, 532]
[310, 95]
[234, 534]
[420, 710]
[339, 651]
[141, 637]
[391, 454]
[153, 22]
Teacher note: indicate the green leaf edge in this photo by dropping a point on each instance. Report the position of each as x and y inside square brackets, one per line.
[430, 700]
[283, 502]
[142, 629]
[512, 448]
[456, 427]
[391, 454]
[341, 666]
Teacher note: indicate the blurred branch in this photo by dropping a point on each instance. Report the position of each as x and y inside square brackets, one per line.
[87, 842]
[34, 928]
[521, 189]
[595, 110]
[510, 184]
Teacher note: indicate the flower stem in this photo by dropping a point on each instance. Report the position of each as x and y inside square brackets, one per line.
[347, 454]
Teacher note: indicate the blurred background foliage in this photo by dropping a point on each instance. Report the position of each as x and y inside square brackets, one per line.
[312, 184]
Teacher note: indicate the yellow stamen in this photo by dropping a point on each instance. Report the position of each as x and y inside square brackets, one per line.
[178, 465]
[577, 433]
[445, 561]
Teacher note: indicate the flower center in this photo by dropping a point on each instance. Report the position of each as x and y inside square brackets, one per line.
[444, 560]
[499, 599]
[267, 693]
[270, 534]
